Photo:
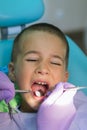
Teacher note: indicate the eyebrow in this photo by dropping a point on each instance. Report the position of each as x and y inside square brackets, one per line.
[31, 52]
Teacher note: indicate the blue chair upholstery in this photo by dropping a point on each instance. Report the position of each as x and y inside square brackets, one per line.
[5, 51]
[19, 12]
[77, 65]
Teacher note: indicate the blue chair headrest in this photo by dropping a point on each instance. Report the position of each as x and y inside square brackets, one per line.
[77, 65]
[20, 12]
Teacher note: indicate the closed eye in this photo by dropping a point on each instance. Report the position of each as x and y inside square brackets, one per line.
[32, 60]
[54, 63]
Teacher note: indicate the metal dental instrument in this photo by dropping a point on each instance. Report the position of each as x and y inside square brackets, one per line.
[22, 91]
[76, 88]
[70, 88]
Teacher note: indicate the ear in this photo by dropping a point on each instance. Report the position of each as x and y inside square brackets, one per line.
[11, 73]
[66, 76]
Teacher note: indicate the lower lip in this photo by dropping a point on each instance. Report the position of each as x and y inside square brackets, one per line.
[38, 98]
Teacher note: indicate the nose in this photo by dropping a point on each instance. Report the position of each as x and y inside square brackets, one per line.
[42, 69]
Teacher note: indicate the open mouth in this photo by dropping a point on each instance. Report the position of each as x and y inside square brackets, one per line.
[40, 89]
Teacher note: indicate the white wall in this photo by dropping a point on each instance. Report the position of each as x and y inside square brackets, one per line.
[68, 15]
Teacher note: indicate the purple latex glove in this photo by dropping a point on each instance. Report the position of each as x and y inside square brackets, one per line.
[58, 110]
[7, 91]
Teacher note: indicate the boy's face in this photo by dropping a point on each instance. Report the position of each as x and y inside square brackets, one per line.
[39, 67]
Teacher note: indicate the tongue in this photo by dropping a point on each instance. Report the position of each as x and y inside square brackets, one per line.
[40, 88]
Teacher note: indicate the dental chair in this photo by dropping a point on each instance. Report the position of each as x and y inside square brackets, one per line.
[14, 15]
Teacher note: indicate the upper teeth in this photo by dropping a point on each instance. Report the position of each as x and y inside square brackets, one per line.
[41, 83]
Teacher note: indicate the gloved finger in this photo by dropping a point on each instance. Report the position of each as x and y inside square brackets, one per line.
[67, 97]
[6, 95]
[5, 85]
[3, 76]
[68, 85]
[7, 90]
[56, 93]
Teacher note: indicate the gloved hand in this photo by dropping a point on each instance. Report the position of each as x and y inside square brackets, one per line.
[58, 110]
[7, 91]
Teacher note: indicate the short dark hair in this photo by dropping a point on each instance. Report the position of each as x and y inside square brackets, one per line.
[45, 27]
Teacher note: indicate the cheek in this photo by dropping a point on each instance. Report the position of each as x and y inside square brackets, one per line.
[23, 77]
[22, 69]
[60, 76]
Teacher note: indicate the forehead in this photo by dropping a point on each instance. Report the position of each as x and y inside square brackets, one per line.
[43, 39]
[43, 43]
